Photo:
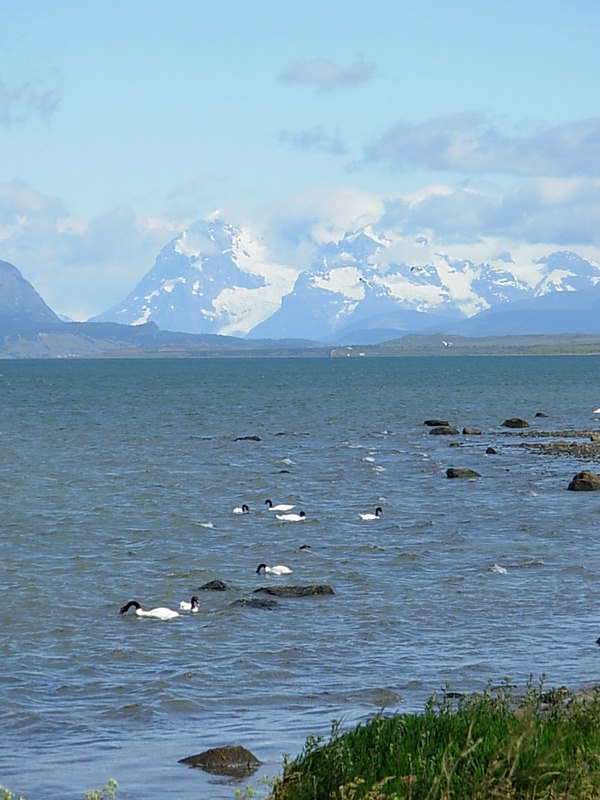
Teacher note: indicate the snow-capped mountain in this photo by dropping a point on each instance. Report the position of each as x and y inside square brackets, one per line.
[212, 278]
[217, 278]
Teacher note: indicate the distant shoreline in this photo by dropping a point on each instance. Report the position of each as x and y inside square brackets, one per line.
[67, 344]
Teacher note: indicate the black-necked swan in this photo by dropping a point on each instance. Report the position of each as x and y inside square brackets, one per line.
[376, 515]
[279, 569]
[192, 605]
[279, 506]
[292, 517]
[155, 613]
[243, 509]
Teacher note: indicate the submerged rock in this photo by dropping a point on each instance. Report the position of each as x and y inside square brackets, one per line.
[585, 481]
[296, 591]
[471, 431]
[232, 760]
[213, 586]
[461, 472]
[251, 438]
[256, 602]
[443, 430]
[435, 423]
[490, 451]
[515, 422]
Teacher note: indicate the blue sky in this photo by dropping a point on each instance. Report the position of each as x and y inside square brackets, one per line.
[123, 122]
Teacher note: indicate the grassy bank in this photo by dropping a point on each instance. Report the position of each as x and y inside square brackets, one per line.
[545, 745]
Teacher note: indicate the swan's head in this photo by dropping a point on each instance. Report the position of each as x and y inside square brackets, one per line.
[246, 509]
[268, 503]
[379, 511]
[302, 514]
[260, 566]
[195, 602]
[126, 608]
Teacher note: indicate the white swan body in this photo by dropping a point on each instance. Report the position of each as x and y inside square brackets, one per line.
[191, 606]
[376, 515]
[243, 509]
[155, 613]
[596, 411]
[279, 506]
[497, 568]
[299, 517]
[279, 569]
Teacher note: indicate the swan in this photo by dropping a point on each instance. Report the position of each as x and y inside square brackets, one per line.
[292, 517]
[596, 411]
[280, 569]
[156, 613]
[279, 506]
[376, 515]
[244, 509]
[191, 606]
[497, 568]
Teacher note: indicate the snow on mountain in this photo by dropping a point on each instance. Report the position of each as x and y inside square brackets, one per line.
[212, 278]
[217, 278]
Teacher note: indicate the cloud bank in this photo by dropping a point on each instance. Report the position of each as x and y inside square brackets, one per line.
[468, 143]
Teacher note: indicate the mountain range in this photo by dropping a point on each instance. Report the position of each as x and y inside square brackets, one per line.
[221, 279]
[218, 287]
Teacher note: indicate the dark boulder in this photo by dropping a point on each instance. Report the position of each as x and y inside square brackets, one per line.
[471, 432]
[434, 423]
[252, 438]
[212, 586]
[491, 451]
[233, 760]
[585, 481]
[256, 602]
[443, 430]
[515, 422]
[461, 472]
[296, 591]
[541, 414]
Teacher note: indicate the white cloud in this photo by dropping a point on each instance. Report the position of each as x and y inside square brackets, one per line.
[562, 211]
[79, 266]
[327, 75]
[469, 143]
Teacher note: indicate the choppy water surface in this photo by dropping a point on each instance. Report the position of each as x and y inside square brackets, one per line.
[119, 480]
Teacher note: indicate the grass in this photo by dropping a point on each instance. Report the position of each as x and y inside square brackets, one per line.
[543, 746]
[108, 792]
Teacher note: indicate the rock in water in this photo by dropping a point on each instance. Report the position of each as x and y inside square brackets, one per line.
[515, 422]
[461, 472]
[233, 760]
[297, 591]
[585, 481]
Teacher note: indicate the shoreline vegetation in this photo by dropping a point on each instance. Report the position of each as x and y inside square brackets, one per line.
[496, 744]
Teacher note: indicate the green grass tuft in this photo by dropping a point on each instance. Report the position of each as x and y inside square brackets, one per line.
[482, 746]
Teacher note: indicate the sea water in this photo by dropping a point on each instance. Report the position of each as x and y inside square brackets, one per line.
[118, 482]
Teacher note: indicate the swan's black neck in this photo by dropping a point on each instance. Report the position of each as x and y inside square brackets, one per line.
[126, 608]
[268, 503]
[260, 566]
